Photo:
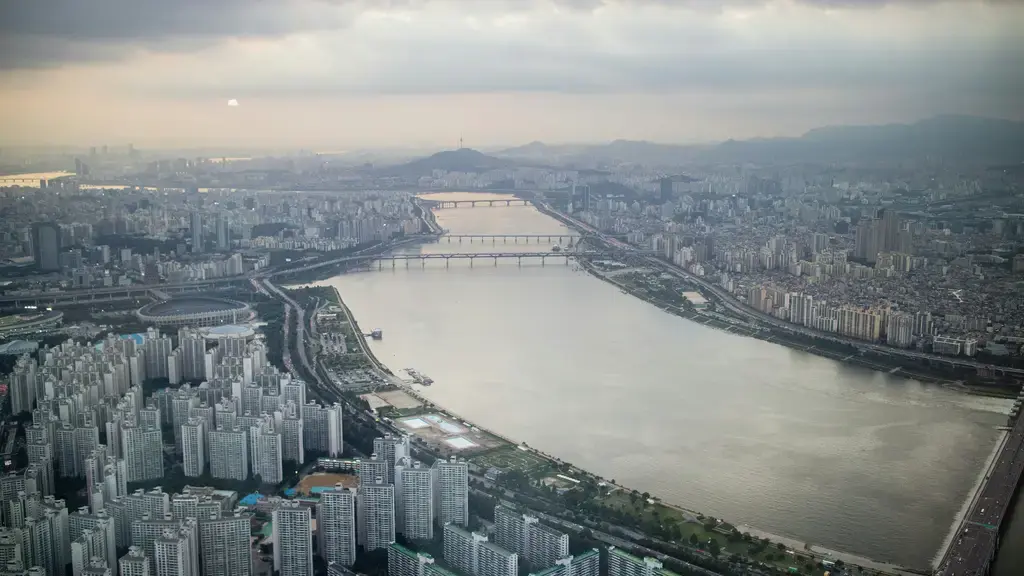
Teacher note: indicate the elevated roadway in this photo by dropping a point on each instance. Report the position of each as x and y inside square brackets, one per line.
[974, 546]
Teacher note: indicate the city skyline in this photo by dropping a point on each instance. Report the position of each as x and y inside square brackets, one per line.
[429, 72]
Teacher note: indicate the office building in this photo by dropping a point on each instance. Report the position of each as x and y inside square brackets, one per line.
[451, 488]
[46, 243]
[293, 546]
[336, 525]
[197, 232]
[376, 515]
[229, 453]
[224, 545]
[414, 497]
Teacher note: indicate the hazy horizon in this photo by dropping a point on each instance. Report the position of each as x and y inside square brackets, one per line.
[418, 74]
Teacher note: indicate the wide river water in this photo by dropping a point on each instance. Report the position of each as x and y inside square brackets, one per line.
[745, 430]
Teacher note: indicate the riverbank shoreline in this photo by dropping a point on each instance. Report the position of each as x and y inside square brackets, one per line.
[816, 551]
[879, 364]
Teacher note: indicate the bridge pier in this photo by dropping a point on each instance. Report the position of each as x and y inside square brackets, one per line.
[423, 263]
[495, 261]
[471, 261]
[392, 263]
[520, 259]
[446, 262]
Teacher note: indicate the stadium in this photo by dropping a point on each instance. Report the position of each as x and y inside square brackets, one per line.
[195, 311]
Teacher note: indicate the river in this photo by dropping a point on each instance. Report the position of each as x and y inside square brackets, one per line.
[749, 431]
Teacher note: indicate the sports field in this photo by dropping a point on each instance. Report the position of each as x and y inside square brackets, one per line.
[306, 485]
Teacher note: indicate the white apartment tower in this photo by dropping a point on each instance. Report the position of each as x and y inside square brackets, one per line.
[193, 444]
[336, 525]
[451, 489]
[391, 449]
[143, 453]
[266, 446]
[224, 546]
[293, 545]
[229, 453]
[134, 563]
[414, 499]
[376, 515]
[322, 429]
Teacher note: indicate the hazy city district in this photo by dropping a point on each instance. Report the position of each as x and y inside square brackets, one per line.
[188, 390]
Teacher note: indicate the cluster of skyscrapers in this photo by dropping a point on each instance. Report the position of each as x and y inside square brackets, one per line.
[517, 538]
[396, 495]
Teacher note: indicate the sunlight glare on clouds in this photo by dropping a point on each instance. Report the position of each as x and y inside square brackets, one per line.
[232, 102]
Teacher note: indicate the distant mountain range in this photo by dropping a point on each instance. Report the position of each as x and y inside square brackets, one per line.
[461, 160]
[960, 138]
[963, 139]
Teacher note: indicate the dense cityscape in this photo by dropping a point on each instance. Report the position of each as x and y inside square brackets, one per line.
[544, 288]
[175, 433]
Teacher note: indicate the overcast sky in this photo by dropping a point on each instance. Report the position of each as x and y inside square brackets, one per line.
[341, 74]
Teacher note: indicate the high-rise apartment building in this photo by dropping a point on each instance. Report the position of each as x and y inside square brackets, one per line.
[414, 500]
[143, 453]
[391, 449]
[336, 525]
[224, 545]
[539, 545]
[451, 489]
[193, 442]
[322, 429]
[134, 563]
[229, 453]
[585, 564]
[461, 548]
[622, 563]
[493, 560]
[293, 546]
[370, 469]
[376, 515]
[267, 453]
[405, 562]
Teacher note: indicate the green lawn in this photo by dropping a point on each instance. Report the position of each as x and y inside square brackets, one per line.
[653, 516]
[512, 458]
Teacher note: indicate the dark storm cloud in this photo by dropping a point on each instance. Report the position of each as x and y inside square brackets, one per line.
[37, 33]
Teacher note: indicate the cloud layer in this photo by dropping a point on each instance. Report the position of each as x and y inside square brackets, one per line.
[955, 56]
